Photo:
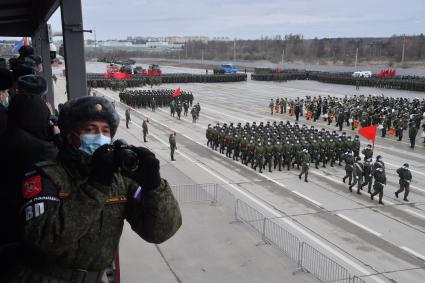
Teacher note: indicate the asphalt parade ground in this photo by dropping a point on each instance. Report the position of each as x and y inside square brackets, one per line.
[380, 243]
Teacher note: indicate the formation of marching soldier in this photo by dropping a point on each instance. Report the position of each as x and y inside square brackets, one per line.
[154, 98]
[285, 145]
[393, 115]
[413, 83]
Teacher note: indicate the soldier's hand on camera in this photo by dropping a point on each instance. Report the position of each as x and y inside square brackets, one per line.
[103, 165]
[147, 174]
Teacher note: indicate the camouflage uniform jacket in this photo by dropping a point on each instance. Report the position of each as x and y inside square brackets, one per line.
[71, 223]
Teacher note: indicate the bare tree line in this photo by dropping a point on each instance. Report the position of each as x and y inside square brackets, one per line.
[294, 48]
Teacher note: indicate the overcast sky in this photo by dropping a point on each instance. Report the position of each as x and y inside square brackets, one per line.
[251, 19]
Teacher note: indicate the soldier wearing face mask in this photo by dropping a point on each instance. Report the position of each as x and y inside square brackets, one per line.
[73, 210]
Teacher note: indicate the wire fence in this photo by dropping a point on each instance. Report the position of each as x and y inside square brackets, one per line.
[308, 258]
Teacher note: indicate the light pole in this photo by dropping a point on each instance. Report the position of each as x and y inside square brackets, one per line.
[357, 55]
[202, 56]
[283, 55]
[234, 50]
[404, 46]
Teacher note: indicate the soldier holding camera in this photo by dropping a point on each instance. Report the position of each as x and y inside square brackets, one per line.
[73, 210]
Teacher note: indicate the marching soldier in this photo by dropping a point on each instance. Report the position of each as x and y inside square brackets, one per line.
[259, 154]
[244, 150]
[349, 162]
[127, 117]
[305, 165]
[209, 136]
[378, 164]
[405, 178]
[229, 144]
[277, 152]
[251, 153]
[179, 110]
[194, 114]
[297, 154]
[378, 185]
[173, 145]
[367, 174]
[236, 147]
[185, 108]
[268, 150]
[367, 152]
[172, 108]
[356, 146]
[145, 130]
[287, 154]
[271, 106]
[358, 175]
[413, 131]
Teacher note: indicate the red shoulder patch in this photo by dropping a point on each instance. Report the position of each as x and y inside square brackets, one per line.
[31, 187]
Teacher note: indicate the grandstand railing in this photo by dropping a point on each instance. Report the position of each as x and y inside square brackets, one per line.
[307, 258]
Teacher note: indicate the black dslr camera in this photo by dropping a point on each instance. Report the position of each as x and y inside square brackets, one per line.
[125, 158]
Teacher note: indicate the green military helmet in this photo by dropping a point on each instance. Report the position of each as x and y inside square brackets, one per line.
[89, 108]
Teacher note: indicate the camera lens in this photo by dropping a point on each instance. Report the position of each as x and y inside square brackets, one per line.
[129, 161]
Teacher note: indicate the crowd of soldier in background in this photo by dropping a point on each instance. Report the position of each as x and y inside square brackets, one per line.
[153, 98]
[98, 81]
[162, 98]
[391, 115]
[413, 83]
[285, 145]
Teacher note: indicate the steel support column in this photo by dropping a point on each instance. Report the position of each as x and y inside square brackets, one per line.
[41, 45]
[73, 39]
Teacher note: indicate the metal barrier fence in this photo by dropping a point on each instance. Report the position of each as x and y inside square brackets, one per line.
[307, 258]
[321, 266]
[282, 239]
[249, 216]
[195, 192]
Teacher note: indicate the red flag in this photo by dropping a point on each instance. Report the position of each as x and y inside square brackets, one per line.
[176, 92]
[369, 132]
[26, 41]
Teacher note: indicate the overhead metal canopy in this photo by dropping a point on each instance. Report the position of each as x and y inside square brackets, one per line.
[23, 17]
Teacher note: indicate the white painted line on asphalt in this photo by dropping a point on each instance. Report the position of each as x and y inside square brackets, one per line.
[414, 213]
[223, 114]
[307, 198]
[416, 254]
[418, 189]
[276, 214]
[359, 225]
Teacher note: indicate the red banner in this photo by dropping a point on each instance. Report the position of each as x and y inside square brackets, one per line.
[117, 76]
[369, 132]
[176, 92]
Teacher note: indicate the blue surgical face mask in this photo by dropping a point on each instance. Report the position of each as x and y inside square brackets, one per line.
[89, 143]
[5, 102]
